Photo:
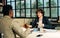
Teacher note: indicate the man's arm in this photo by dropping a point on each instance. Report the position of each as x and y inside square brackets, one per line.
[19, 30]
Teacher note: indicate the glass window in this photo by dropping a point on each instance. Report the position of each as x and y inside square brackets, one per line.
[27, 12]
[53, 12]
[59, 11]
[17, 13]
[47, 12]
[33, 12]
[53, 3]
[27, 8]
[40, 3]
[13, 13]
[33, 3]
[12, 0]
[8, 0]
[59, 2]
[18, 4]
[27, 3]
[8, 3]
[46, 3]
[22, 4]
[13, 4]
[22, 12]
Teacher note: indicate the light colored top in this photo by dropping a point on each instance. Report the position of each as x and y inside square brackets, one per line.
[40, 24]
[7, 26]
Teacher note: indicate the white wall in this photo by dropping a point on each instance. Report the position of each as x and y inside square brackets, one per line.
[23, 21]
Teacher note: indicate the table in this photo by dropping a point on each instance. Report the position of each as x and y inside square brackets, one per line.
[49, 34]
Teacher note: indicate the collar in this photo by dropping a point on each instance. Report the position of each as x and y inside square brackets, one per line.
[7, 17]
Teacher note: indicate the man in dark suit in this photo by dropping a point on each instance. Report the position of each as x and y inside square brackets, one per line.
[42, 19]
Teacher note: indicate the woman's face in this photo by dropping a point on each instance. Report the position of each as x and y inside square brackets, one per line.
[39, 14]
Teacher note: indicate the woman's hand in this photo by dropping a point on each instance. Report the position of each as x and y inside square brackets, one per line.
[40, 24]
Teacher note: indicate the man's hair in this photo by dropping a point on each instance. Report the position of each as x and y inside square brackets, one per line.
[6, 9]
[40, 10]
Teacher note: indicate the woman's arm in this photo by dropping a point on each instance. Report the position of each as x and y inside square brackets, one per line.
[47, 23]
[34, 23]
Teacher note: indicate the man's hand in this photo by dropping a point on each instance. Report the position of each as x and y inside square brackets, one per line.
[27, 26]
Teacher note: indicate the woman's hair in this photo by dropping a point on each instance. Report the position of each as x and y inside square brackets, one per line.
[40, 11]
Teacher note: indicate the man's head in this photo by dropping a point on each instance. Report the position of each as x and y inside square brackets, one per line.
[7, 10]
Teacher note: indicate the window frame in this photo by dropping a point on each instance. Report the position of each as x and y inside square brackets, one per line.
[36, 8]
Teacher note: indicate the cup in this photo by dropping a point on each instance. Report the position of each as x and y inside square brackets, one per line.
[35, 29]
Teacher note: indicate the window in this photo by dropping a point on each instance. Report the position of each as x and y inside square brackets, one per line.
[27, 8]
[54, 8]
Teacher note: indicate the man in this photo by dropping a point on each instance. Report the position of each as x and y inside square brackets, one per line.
[7, 26]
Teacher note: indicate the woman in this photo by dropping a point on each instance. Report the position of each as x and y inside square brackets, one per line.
[41, 19]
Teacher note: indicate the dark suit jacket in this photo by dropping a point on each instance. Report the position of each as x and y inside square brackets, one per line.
[45, 21]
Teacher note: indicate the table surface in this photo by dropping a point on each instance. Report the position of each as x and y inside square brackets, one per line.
[48, 34]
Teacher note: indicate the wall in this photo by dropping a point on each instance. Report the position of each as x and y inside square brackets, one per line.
[23, 21]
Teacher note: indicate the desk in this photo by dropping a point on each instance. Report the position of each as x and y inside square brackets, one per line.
[52, 34]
